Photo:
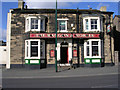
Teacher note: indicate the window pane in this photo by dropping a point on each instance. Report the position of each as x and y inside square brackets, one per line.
[93, 23]
[86, 20]
[34, 23]
[41, 53]
[87, 42]
[92, 27]
[95, 26]
[62, 25]
[88, 51]
[41, 25]
[27, 51]
[27, 23]
[94, 42]
[32, 26]
[36, 26]
[34, 51]
[95, 51]
[34, 42]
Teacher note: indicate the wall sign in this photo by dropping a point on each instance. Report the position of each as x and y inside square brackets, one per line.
[52, 53]
[64, 35]
[74, 53]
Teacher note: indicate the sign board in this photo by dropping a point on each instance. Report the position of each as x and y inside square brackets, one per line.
[52, 53]
[74, 53]
[63, 35]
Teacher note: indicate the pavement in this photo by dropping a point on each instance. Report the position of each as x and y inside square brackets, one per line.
[50, 72]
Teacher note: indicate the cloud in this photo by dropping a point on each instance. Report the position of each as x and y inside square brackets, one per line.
[102, 4]
[44, 4]
[3, 34]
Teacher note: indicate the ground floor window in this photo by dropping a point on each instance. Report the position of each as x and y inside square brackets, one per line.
[93, 48]
[34, 49]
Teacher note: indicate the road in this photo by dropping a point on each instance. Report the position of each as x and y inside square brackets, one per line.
[99, 81]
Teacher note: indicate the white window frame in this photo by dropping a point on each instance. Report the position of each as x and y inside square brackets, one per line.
[61, 19]
[28, 24]
[39, 50]
[89, 24]
[90, 48]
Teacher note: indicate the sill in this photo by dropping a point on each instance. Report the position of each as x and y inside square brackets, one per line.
[94, 57]
[33, 58]
[63, 31]
[92, 31]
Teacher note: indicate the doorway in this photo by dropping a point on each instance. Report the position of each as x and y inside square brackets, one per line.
[64, 52]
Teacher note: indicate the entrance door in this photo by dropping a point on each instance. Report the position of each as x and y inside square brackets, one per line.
[64, 53]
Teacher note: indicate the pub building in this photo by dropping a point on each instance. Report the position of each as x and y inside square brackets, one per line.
[84, 37]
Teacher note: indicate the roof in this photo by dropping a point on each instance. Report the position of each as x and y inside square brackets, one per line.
[38, 11]
[116, 16]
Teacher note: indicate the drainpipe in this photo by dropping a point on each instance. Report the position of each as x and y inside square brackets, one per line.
[110, 42]
[77, 21]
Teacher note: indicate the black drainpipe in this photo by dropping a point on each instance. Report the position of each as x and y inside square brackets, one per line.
[77, 21]
[110, 41]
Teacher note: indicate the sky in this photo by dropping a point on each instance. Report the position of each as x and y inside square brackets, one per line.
[5, 6]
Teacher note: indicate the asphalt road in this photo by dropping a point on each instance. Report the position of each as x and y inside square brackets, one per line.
[99, 81]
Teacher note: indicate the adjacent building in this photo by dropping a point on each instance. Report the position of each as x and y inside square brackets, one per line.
[85, 37]
[116, 23]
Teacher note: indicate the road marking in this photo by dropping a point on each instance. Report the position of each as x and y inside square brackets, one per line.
[105, 86]
[63, 76]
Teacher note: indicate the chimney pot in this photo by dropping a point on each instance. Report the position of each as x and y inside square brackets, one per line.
[103, 8]
[21, 4]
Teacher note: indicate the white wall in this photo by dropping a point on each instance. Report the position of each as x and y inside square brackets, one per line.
[3, 55]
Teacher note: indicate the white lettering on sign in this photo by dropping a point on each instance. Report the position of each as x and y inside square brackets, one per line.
[62, 35]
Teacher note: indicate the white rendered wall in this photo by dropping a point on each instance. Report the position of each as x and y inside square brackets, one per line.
[3, 55]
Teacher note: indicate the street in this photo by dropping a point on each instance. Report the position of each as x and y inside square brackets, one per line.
[106, 77]
[102, 81]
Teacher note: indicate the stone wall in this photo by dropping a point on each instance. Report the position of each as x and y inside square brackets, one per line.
[18, 37]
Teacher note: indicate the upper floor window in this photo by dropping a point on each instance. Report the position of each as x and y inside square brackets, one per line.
[62, 25]
[91, 24]
[35, 24]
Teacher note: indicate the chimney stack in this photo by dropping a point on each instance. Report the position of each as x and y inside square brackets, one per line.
[21, 4]
[103, 8]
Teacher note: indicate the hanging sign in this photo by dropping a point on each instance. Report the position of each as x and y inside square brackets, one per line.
[108, 28]
[52, 53]
[74, 53]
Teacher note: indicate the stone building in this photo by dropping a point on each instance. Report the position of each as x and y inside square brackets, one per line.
[84, 36]
[116, 23]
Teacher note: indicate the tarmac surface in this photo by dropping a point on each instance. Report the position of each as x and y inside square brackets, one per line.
[82, 77]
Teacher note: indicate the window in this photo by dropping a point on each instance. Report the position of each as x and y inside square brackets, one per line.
[92, 48]
[88, 48]
[62, 25]
[86, 23]
[42, 49]
[95, 48]
[91, 24]
[34, 49]
[35, 24]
